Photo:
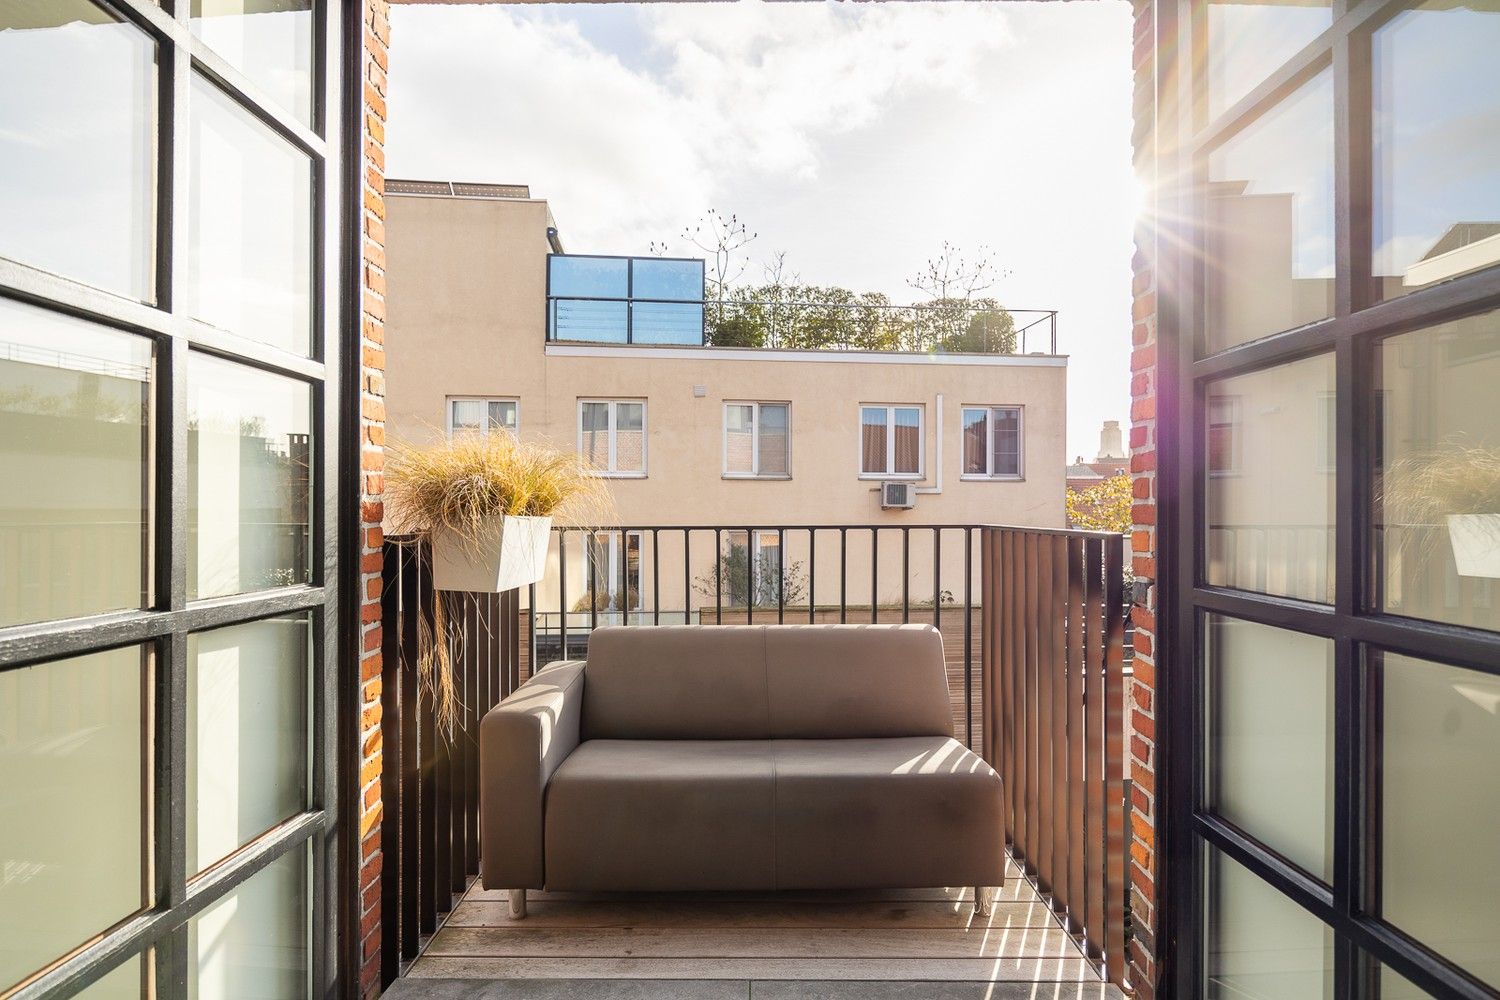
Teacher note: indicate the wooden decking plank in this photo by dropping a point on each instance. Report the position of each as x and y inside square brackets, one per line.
[768, 942]
[1031, 970]
[718, 914]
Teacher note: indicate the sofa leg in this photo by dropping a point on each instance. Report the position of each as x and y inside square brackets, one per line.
[518, 904]
[984, 896]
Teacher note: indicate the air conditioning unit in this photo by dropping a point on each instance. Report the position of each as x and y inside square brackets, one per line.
[898, 495]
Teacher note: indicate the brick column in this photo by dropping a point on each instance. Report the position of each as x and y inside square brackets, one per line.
[1143, 765]
[377, 37]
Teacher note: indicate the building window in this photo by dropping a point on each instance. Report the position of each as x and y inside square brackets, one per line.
[757, 440]
[756, 571]
[612, 436]
[614, 570]
[890, 441]
[1223, 435]
[992, 442]
[481, 416]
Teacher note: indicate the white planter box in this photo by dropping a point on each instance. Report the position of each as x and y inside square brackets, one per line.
[511, 556]
[1476, 544]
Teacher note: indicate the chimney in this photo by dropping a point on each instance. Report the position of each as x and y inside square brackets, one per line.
[1111, 444]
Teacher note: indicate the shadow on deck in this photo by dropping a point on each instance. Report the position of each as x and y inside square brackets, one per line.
[901, 943]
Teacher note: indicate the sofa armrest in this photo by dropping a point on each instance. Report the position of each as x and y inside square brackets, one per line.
[521, 742]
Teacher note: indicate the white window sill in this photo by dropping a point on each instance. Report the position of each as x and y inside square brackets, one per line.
[747, 477]
[914, 477]
[618, 475]
[974, 477]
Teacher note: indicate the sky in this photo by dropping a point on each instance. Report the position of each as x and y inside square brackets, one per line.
[855, 138]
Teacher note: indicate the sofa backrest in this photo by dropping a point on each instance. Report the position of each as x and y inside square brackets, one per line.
[755, 682]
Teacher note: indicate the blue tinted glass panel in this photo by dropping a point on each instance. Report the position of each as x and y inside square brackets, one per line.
[600, 277]
[668, 323]
[585, 319]
[681, 280]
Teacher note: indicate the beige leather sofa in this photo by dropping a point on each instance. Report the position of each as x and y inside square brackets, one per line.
[737, 758]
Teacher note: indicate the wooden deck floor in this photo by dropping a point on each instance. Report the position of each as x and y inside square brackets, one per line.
[904, 944]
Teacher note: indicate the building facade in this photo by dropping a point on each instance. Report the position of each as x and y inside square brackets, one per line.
[695, 435]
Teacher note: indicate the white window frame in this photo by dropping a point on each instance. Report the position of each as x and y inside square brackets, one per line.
[756, 404]
[615, 544]
[486, 400]
[990, 475]
[614, 402]
[890, 441]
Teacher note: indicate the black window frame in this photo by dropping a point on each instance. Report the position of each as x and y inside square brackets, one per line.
[162, 627]
[1179, 140]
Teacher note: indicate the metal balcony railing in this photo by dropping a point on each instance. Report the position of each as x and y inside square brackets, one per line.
[1035, 630]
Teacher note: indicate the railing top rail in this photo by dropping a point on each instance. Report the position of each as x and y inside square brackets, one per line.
[1041, 314]
[864, 526]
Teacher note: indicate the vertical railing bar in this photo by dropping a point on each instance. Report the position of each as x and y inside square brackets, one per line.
[427, 873]
[1057, 622]
[905, 575]
[718, 578]
[1114, 831]
[409, 738]
[687, 579]
[1076, 885]
[1042, 736]
[1033, 685]
[591, 565]
[749, 576]
[1093, 722]
[531, 616]
[968, 638]
[874, 572]
[988, 666]
[391, 757]
[780, 576]
[656, 576]
[562, 596]
[1010, 679]
[843, 575]
[812, 575]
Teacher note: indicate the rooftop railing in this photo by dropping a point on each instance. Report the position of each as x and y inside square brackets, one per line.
[661, 301]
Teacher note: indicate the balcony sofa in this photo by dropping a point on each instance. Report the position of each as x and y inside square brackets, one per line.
[682, 758]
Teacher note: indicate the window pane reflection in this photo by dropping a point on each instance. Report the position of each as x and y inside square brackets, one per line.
[75, 444]
[1268, 249]
[269, 41]
[249, 479]
[1247, 42]
[250, 225]
[1259, 945]
[1437, 145]
[1440, 809]
[1437, 512]
[247, 719]
[1270, 485]
[255, 942]
[72, 796]
[1270, 722]
[78, 145]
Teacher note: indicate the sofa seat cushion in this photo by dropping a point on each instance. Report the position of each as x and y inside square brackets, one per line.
[906, 812]
[667, 815]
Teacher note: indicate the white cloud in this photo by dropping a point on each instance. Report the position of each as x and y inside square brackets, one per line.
[857, 137]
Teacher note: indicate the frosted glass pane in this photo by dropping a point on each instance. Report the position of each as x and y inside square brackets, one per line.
[1270, 725]
[249, 478]
[1269, 227]
[72, 794]
[1258, 944]
[1440, 855]
[269, 41]
[254, 943]
[1270, 485]
[249, 225]
[74, 444]
[247, 718]
[78, 145]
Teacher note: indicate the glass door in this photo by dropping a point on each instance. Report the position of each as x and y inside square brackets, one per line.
[169, 327]
[1335, 509]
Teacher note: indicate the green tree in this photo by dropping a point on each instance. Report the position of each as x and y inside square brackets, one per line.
[773, 585]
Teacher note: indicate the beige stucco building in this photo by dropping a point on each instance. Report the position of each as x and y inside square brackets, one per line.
[711, 436]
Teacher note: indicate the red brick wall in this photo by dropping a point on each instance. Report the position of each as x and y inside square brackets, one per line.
[1143, 862]
[377, 38]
